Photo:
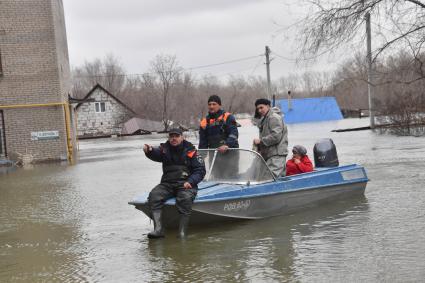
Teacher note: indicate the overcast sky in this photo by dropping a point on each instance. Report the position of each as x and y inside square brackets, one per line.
[198, 32]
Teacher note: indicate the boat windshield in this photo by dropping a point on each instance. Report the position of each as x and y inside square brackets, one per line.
[236, 166]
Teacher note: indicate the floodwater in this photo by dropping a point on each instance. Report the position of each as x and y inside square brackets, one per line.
[61, 223]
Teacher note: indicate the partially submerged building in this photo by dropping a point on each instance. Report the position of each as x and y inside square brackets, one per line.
[136, 126]
[101, 114]
[36, 121]
[302, 110]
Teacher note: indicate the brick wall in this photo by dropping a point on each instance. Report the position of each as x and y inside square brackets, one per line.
[26, 120]
[64, 69]
[36, 70]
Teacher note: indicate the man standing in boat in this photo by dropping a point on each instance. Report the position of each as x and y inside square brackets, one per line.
[273, 140]
[182, 170]
[219, 128]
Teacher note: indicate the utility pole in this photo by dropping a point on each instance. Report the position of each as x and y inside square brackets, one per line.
[269, 88]
[369, 71]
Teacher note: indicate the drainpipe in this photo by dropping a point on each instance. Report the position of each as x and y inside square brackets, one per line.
[76, 130]
[68, 132]
[4, 132]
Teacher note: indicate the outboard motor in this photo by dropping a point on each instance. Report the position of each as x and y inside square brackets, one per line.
[325, 153]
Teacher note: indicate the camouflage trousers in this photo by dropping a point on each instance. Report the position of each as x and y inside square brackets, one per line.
[277, 165]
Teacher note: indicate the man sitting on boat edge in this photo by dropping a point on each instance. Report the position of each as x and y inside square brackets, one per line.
[182, 170]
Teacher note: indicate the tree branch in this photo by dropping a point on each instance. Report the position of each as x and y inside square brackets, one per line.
[387, 44]
[422, 5]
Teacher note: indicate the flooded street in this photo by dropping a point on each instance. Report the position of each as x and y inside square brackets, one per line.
[61, 223]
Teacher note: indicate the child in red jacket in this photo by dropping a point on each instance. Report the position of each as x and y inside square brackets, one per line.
[300, 163]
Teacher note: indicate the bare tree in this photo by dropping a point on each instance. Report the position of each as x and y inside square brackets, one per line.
[334, 23]
[185, 105]
[107, 71]
[349, 84]
[208, 86]
[113, 74]
[236, 89]
[404, 114]
[288, 83]
[167, 71]
[148, 99]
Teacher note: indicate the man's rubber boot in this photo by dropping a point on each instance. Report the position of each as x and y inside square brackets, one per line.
[184, 222]
[157, 224]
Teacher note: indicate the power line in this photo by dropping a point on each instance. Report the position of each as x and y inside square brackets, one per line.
[191, 68]
[283, 57]
[225, 62]
[256, 66]
[114, 75]
[231, 73]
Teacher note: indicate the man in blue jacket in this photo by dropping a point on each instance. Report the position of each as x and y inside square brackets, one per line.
[219, 128]
[182, 170]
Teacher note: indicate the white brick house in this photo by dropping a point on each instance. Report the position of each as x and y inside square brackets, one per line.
[103, 115]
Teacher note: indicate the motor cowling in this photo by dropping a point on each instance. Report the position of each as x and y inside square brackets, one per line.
[325, 153]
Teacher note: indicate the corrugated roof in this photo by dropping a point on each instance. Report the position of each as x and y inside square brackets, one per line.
[310, 109]
[137, 124]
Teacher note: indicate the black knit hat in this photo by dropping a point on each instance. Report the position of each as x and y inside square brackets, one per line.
[214, 98]
[264, 101]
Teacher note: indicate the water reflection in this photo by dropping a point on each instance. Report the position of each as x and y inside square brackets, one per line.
[39, 234]
[7, 169]
[265, 250]
[73, 223]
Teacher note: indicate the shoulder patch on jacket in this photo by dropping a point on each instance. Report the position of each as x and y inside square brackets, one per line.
[225, 116]
[191, 153]
[200, 159]
[203, 124]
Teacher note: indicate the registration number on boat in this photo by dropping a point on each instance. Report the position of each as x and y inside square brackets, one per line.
[237, 205]
[353, 174]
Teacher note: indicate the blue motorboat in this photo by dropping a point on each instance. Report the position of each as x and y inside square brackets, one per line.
[239, 185]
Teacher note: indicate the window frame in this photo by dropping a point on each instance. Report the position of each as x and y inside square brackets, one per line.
[98, 107]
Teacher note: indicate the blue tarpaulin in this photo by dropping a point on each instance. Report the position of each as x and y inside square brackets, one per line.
[310, 109]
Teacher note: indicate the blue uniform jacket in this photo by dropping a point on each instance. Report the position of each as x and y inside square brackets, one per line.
[230, 131]
[195, 162]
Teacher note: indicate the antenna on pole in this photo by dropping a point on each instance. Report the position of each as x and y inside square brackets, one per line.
[289, 101]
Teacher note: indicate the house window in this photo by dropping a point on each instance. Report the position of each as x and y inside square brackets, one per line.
[99, 107]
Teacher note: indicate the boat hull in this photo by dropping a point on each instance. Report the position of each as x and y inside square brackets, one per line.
[258, 206]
